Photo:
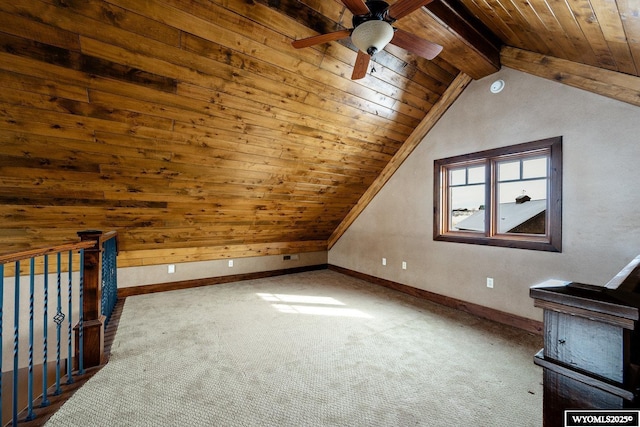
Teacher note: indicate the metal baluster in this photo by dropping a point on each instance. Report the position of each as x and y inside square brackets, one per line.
[32, 280]
[16, 335]
[1, 309]
[59, 318]
[70, 325]
[81, 317]
[45, 400]
[104, 297]
[113, 278]
[105, 282]
[111, 254]
[109, 279]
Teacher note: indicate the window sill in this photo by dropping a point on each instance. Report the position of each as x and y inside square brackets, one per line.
[524, 242]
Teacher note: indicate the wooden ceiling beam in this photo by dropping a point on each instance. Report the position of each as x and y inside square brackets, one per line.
[448, 98]
[612, 84]
[454, 16]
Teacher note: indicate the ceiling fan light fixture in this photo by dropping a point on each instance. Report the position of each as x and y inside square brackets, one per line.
[372, 36]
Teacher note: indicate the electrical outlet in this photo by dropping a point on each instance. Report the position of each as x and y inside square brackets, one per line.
[230, 263]
[171, 269]
[384, 261]
[404, 265]
[490, 282]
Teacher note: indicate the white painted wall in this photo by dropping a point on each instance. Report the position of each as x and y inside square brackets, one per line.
[601, 218]
[154, 274]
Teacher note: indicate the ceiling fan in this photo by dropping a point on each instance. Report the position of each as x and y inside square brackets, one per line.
[372, 31]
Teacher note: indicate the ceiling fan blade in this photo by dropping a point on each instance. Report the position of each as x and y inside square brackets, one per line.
[321, 38]
[361, 66]
[415, 44]
[357, 7]
[402, 8]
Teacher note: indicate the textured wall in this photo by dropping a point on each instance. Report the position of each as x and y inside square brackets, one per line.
[154, 274]
[601, 228]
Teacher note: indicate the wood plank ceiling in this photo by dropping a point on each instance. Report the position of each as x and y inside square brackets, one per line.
[601, 33]
[194, 128]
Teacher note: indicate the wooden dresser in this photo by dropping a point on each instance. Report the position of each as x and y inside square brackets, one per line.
[591, 353]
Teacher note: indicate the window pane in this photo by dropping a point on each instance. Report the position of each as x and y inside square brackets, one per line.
[467, 208]
[522, 207]
[525, 208]
[536, 189]
[534, 168]
[458, 176]
[476, 175]
[508, 171]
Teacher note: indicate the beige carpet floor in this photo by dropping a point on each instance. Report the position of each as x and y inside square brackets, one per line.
[310, 349]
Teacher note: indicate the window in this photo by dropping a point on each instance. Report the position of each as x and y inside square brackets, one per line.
[510, 196]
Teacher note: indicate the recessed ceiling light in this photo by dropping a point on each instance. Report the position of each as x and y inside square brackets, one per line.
[497, 86]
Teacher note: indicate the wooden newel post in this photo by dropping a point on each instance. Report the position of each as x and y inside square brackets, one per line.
[93, 320]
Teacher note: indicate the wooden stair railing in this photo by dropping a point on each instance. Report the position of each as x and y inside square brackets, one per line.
[88, 273]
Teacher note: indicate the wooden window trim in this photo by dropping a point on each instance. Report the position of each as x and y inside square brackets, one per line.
[552, 241]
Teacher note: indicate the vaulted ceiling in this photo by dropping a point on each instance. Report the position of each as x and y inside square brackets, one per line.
[195, 129]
